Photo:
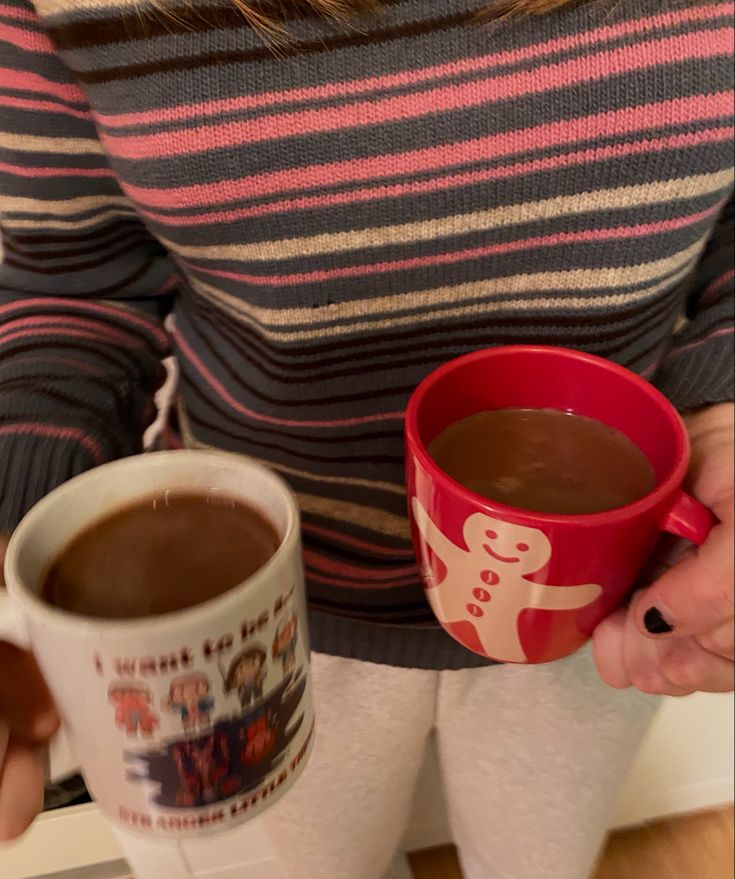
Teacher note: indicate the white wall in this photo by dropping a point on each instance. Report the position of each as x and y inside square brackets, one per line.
[685, 764]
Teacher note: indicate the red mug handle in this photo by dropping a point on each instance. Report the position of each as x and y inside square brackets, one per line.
[689, 519]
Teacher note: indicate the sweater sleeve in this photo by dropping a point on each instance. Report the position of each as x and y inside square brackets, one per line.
[83, 286]
[700, 366]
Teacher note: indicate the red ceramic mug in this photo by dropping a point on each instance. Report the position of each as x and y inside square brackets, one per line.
[520, 586]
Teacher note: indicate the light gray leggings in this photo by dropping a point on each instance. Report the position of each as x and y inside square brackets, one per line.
[532, 758]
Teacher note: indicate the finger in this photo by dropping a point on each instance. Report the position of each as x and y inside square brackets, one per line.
[4, 739]
[669, 550]
[695, 595]
[691, 668]
[607, 647]
[21, 789]
[720, 641]
[25, 702]
[3, 546]
[642, 660]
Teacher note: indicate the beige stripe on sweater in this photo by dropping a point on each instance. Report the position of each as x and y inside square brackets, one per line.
[461, 224]
[401, 309]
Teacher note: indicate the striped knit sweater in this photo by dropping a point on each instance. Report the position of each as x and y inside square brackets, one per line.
[312, 231]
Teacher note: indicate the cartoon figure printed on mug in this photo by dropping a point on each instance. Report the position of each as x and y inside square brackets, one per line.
[246, 675]
[486, 583]
[231, 756]
[189, 697]
[203, 769]
[259, 738]
[284, 644]
[133, 712]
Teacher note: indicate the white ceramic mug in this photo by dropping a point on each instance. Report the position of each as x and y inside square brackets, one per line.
[174, 737]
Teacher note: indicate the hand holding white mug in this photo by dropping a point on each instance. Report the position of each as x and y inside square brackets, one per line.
[222, 756]
[28, 719]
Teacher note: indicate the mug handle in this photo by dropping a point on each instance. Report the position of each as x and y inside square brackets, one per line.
[690, 519]
[11, 629]
[61, 762]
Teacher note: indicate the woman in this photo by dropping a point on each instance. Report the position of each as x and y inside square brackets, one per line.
[325, 209]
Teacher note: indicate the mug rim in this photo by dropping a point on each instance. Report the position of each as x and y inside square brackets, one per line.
[20, 591]
[672, 481]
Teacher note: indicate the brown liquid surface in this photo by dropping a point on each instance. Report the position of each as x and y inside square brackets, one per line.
[160, 554]
[544, 460]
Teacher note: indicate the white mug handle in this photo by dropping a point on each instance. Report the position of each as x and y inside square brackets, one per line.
[11, 628]
[61, 763]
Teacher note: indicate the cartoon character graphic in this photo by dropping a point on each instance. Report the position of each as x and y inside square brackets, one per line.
[485, 584]
[133, 712]
[259, 737]
[189, 696]
[203, 768]
[246, 675]
[284, 644]
[235, 755]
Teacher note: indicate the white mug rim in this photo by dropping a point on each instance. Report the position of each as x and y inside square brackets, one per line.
[34, 606]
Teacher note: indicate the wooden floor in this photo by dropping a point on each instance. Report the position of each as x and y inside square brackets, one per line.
[691, 847]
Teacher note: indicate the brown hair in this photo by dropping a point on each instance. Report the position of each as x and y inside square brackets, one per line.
[270, 17]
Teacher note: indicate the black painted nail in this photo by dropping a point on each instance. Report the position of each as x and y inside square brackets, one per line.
[655, 623]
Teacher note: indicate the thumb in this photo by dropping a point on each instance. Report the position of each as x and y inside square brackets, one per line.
[693, 597]
[3, 547]
[26, 707]
[25, 702]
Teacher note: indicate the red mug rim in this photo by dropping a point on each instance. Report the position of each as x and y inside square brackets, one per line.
[658, 494]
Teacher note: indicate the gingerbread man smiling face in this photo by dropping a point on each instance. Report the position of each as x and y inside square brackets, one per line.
[526, 548]
[485, 583]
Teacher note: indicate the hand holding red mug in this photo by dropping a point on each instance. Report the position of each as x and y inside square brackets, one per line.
[676, 636]
[516, 585]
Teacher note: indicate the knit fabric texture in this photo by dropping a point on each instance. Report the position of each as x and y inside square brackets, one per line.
[312, 228]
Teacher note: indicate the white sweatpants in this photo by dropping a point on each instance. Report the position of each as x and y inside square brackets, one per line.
[532, 758]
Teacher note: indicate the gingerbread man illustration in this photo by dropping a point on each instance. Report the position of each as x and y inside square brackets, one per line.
[486, 583]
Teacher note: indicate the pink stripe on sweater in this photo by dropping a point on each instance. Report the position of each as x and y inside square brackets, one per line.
[614, 122]
[40, 332]
[62, 171]
[414, 105]
[42, 107]
[168, 285]
[16, 13]
[413, 77]
[94, 308]
[72, 362]
[328, 565]
[96, 330]
[560, 238]
[56, 432]
[675, 352]
[716, 286]
[339, 537]
[22, 81]
[383, 191]
[25, 39]
[234, 404]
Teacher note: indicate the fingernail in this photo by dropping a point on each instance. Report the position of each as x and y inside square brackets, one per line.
[655, 622]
